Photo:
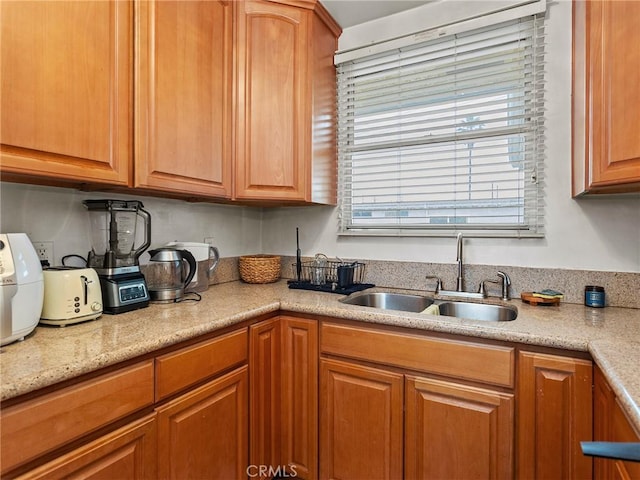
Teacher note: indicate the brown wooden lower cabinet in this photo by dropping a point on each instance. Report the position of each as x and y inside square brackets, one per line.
[554, 415]
[41, 425]
[300, 396]
[204, 433]
[611, 425]
[128, 453]
[310, 398]
[361, 410]
[283, 355]
[457, 431]
[264, 394]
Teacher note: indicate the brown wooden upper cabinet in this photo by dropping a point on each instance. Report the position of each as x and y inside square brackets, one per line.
[66, 110]
[72, 113]
[183, 97]
[285, 105]
[606, 117]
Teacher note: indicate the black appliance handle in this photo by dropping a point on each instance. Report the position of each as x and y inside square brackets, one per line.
[188, 256]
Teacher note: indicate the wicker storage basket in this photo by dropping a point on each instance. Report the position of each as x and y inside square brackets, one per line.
[259, 268]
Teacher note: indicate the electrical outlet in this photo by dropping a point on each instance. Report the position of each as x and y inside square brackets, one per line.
[209, 240]
[44, 251]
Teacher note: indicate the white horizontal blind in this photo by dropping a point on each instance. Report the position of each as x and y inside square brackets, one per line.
[445, 135]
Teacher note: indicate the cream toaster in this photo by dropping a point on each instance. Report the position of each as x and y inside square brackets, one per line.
[71, 295]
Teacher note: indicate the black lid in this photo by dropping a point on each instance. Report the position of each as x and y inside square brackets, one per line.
[594, 288]
[125, 205]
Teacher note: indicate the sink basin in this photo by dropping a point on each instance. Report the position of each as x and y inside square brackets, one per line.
[479, 311]
[390, 301]
[417, 303]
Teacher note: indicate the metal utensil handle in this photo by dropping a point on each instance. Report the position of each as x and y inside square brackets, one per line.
[216, 258]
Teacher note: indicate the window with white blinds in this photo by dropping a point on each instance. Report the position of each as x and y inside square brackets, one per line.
[446, 135]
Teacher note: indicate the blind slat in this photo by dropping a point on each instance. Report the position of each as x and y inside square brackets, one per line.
[447, 132]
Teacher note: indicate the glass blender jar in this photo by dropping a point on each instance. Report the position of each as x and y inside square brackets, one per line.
[114, 254]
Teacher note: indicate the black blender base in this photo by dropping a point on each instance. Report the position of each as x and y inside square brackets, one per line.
[124, 308]
[123, 292]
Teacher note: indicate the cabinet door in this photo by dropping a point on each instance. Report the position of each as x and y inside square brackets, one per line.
[300, 396]
[606, 96]
[204, 433]
[264, 362]
[554, 415]
[273, 103]
[128, 453]
[184, 95]
[611, 425]
[622, 431]
[72, 412]
[361, 410]
[66, 90]
[457, 431]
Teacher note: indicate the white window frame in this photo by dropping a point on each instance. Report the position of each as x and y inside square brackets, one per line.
[451, 221]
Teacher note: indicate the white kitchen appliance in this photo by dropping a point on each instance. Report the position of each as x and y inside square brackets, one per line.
[22, 287]
[207, 258]
[71, 295]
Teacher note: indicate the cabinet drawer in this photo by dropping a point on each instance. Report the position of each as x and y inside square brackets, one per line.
[37, 426]
[126, 453]
[178, 370]
[472, 361]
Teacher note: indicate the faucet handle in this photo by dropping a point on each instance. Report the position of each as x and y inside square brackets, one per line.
[483, 290]
[506, 283]
[505, 277]
[438, 283]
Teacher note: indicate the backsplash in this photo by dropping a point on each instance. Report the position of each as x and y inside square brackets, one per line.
[622, 289]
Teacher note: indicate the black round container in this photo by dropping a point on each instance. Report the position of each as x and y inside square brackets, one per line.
[594, 296]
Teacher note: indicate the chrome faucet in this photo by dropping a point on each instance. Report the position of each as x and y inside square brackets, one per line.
[459, 291]
[504, 281]
[460, 279]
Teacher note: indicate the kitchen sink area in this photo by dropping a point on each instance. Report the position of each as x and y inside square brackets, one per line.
[390, 301]
[418, 303]
[479, 311]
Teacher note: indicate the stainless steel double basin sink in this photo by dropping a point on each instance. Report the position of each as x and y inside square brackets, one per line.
[418, 303]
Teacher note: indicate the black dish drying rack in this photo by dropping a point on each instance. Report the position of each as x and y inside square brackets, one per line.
[324, 277]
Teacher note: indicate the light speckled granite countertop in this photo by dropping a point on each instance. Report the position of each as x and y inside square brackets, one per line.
[53, 354]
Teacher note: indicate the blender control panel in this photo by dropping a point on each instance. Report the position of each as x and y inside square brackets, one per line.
[132, 291]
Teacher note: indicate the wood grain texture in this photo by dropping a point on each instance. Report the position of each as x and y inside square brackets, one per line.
[273, 102]
[324, 150]
[265, 393]
[611, 425]
[473, 361]
[128, 453]
[38, 426]
[361, 431]
[66, 90]
[457, 431]
[178, 370]
[606, 73]
[184, 86]
[285, 146]
[300, 395]
[554, 415]
[204, 433]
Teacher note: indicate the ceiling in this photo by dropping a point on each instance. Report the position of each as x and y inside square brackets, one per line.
[352, 12]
